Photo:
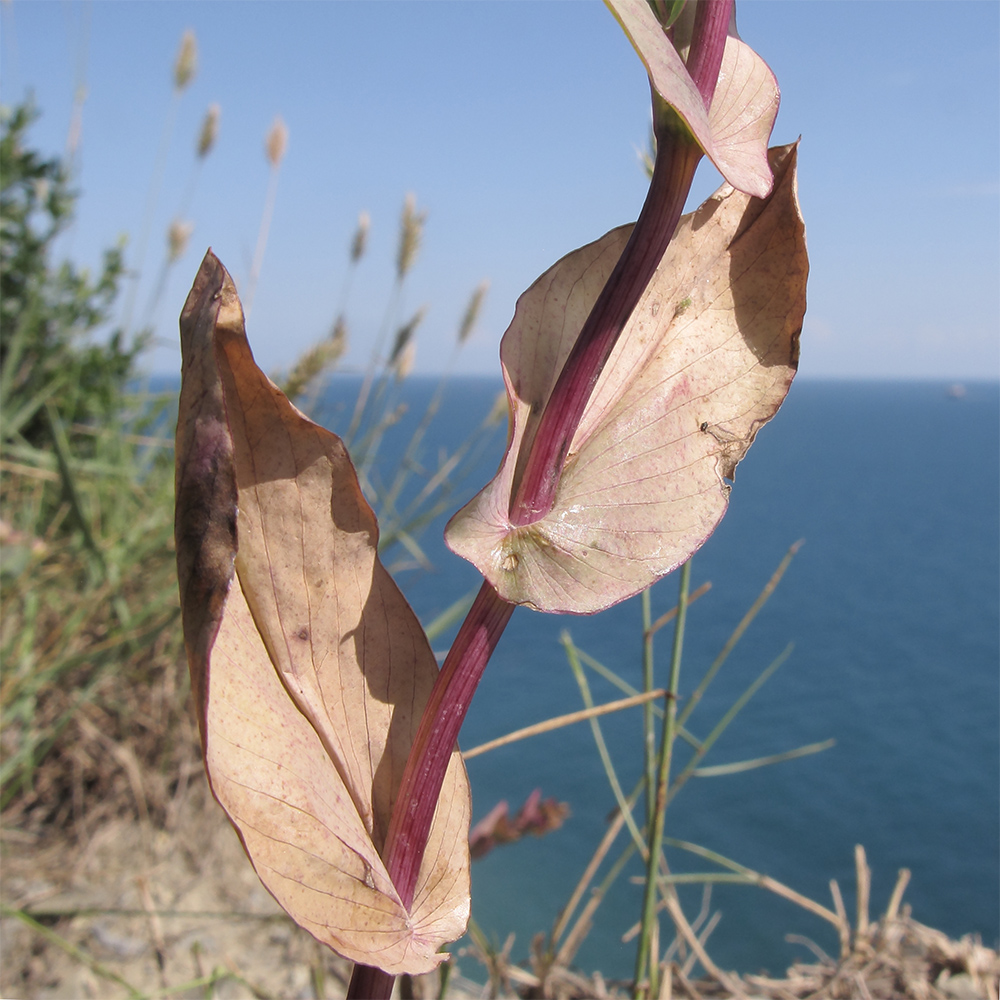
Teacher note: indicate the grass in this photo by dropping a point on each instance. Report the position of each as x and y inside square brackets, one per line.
[88, 636]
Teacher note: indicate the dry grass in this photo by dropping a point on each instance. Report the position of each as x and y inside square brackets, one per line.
[890, 958]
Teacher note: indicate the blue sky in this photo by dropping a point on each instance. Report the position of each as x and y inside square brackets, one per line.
[516, 126]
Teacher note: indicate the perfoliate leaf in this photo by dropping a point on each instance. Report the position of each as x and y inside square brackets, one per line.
[704, 361]
[309, 670]
[734, 132]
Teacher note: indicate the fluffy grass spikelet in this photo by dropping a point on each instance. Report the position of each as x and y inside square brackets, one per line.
[411, 231]
[209, 130]
[472, 311]
[177, 238]
[359, 244]
[277, 142]
[404, 336]
[186, 64]
[316, 361]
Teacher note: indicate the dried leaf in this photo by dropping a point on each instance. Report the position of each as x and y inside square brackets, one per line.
[704, 361]
[309, 670]
[735, 131]
[537, 816]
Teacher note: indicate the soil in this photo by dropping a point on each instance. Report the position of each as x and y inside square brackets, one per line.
[174, 909]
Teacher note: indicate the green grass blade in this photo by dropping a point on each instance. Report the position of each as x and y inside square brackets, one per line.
[734, 710]
[737, 634]
[71, 949]
[602, 747]
[749, 765]
[647, 963]
[453, 613]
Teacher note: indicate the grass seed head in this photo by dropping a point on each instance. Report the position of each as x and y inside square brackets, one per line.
[186, 64]
[360, 242]
[406, 360]
[472, 311]
[276, 142]
[411, 231]
[209, 131]
[177, 238]
[404, 335]
[316, 361]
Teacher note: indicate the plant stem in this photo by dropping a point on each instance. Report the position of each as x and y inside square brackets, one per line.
[648, 725]
[430, 754]
[677, 157]
[436, 736]
[646, 962]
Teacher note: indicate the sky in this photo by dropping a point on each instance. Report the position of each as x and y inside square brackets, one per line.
[516, 125]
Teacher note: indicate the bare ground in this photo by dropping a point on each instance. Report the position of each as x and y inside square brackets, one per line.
[138, 910]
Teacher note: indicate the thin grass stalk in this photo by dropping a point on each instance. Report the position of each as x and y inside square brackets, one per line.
[464, 457]
[738, 767]
[406, 463]
[71, 949]
[584, 922]
[707, 879]
[756, 878]
[668, 616]
[152, 197]
[60, 445]
[467, 454]
[737, 634]
[602, 747]
[455, 611]
[646, 963]
[561, 721]
[465, 329]
[842, 923]
[608, 674]
[410, 234]
[589, 872]
[361, 403]
[648, 725]
[721, 726]
[262, 237]
[681, 923]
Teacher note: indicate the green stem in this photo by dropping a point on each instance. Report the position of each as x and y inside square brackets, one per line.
[720, 727]
[602, 747]
[648, 726]
[743, 625]
[646, 963]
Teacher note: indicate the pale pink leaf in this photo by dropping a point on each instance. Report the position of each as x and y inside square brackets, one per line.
[734, 133]
[704, 361]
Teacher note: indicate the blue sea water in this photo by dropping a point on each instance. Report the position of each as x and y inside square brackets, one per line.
[892, 606]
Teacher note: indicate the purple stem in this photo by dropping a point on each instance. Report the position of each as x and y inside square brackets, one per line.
[423, 777]
[677, 157]
[436, 737]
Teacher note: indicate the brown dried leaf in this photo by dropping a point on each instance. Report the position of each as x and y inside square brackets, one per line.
[704, 361]
[309, 670]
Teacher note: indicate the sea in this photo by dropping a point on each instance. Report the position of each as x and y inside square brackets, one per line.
[891, 608]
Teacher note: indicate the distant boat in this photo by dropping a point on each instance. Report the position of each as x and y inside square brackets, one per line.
[956, 390]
